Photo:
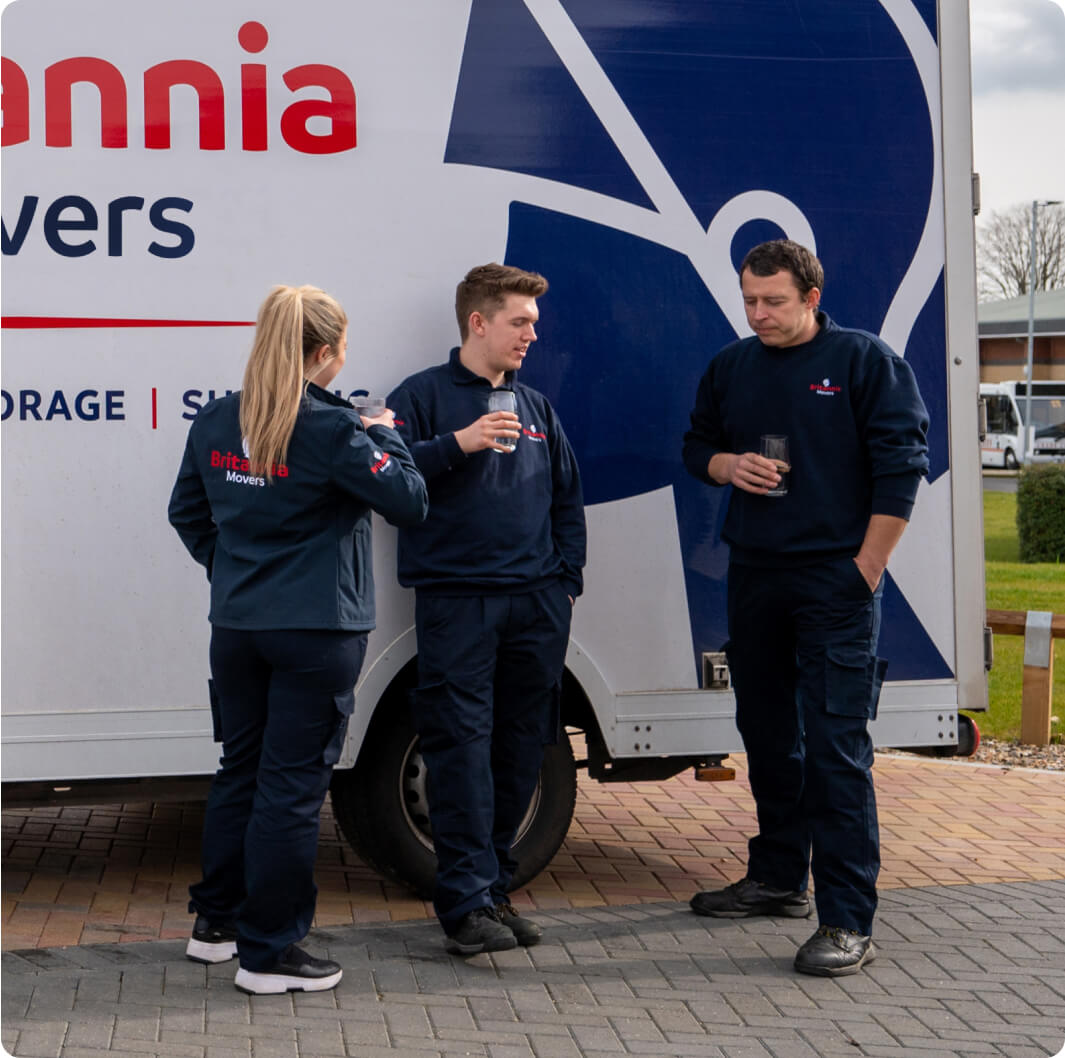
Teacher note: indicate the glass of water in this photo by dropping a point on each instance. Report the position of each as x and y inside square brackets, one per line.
[369, 406]
[504, 400]
[774, 446]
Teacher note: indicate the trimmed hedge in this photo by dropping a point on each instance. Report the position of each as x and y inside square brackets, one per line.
[1041, 513]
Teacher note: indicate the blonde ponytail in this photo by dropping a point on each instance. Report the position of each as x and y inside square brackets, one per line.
[293, 323]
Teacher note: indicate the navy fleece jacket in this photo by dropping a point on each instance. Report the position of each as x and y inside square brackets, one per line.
[498, 522]
[857, 436]
[293, 552]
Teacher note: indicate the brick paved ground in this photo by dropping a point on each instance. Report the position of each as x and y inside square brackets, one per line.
[121, 873]
[971, 938]
[961, 971]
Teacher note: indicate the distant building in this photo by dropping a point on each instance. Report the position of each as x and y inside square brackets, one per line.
[1003, 333]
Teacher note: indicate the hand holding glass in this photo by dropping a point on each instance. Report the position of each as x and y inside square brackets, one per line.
[504, 400]
[372, 411]
[367, 406]
[775, 447]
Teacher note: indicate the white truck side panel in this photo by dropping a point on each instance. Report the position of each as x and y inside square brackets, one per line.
[104, 632]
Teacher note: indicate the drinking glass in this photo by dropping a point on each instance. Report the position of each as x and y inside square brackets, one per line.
[369, 406]
[774, 446]
[504, 400]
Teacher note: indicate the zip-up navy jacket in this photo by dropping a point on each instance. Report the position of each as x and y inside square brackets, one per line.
[294, 552]
[856, 428]
[498, 522]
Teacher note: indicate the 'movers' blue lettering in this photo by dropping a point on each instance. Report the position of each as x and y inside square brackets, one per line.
[73, 213]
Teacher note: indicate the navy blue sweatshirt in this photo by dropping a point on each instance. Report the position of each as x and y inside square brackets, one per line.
[856, 426]
[294, 552]
[498, 522]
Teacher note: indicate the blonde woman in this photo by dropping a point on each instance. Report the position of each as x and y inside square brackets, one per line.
[274, 498]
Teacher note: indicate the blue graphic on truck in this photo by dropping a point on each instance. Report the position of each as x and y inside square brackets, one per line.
[639, 213]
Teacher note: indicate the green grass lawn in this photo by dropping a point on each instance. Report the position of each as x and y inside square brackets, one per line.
[1013, 585]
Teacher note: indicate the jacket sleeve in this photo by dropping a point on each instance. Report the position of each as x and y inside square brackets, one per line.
[568, 529]
[190, 510]
[893, 424]
[706, 437]
[432, 454]
[376, 466]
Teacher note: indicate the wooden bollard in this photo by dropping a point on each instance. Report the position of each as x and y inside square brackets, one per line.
[1038, 685]
[1040, 628]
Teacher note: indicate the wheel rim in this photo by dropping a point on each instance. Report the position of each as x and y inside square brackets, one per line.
[414, 797]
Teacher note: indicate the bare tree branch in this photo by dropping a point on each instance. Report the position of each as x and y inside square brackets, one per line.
[1003, 251]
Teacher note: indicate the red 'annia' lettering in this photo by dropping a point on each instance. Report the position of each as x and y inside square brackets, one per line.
[60, 78]
[231, 461]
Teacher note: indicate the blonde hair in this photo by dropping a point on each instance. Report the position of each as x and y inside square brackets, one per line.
[293, 323]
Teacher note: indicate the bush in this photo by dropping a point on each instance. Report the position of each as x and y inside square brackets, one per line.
[1041, 513]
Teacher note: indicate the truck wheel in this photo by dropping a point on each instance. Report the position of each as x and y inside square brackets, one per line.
[968, 736]
[1009, 460]
[382, 807]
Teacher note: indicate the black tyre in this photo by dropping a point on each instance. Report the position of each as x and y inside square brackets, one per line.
[382, 805]
[1009, 460]
[968, 736]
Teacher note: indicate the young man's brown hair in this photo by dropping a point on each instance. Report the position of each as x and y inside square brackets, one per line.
[486, 287]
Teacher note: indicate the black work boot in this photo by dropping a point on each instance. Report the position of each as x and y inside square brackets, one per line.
[746, 898]
[528, 933]
[480, 930]
[834, 952]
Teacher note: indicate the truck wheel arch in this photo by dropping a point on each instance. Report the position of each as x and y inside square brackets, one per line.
[381, 805]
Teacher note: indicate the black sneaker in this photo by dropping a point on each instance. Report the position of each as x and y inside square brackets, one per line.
[746, 898]
[478, 931]
[834, 952]
[296, 971]
[528, 933]
[211, 944]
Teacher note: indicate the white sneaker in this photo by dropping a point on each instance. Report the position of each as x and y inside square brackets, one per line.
[211, 944]
[296, 971]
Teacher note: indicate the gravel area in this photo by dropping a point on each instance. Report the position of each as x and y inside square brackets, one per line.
[1014, 755]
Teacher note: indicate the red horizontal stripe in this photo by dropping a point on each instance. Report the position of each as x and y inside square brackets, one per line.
[48, 322]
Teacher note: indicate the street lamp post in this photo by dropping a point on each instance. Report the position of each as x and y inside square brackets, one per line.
[1036, 203]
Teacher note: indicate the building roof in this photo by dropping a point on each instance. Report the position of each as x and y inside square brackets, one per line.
[1009, 318]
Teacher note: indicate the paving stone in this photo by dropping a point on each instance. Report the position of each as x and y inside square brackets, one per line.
[554, 1046]
[41, 1039]
[650, 980]
[323, 1041]
[273, 1049]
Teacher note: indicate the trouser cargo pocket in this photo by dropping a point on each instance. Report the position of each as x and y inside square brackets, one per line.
[852, 681]
[345, 706]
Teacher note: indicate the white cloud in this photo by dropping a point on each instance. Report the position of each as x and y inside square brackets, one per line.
[1018, 51]
[1018, 44]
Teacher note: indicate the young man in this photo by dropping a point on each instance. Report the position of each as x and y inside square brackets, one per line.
[805, 580]
[495, 567]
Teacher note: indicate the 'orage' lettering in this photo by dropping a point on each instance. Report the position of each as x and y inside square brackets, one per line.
[33, 405]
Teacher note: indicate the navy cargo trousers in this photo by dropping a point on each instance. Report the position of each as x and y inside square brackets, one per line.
[281, 702]
[487, 701]
[802, 654]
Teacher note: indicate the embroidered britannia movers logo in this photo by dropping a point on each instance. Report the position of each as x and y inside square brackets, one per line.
[238, 469]
[824, 388]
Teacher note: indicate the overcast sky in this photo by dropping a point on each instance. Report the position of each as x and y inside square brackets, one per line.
[1018, 100]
